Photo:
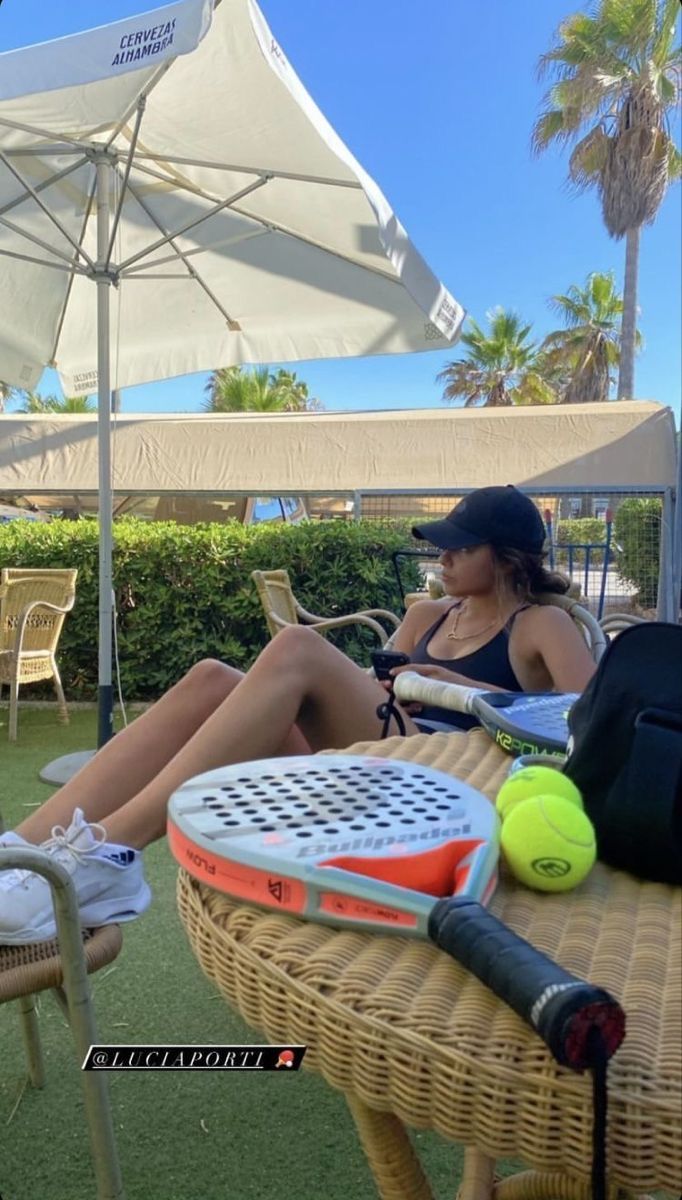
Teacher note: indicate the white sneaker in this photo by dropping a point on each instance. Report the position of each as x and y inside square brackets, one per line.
[10, 838]
[110, 885]
[11, 876]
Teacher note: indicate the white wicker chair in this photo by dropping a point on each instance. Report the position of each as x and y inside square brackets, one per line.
[282, 608]
[614, 623]
[32, 610]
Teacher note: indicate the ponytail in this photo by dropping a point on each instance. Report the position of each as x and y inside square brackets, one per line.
[528, 575]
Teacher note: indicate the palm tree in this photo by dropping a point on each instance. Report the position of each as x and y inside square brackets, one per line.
[501, 368]
[617, 77]
[33, 403]
[232, 389]
[6, 393]
[588, 348]
[297, 396]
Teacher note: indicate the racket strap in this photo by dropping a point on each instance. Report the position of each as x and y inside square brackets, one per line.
[386, 711]
[599, 1056]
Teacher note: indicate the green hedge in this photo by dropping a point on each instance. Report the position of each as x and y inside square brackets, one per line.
[637, 534]
[581, 531]
[184, 592]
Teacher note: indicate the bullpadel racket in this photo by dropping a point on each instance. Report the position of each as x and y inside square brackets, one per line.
[519, 722]
[384, 845]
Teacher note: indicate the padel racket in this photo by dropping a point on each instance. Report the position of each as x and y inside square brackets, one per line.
[519, 722]
[381, 844]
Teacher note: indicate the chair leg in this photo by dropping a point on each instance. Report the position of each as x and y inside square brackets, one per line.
[394, 1164]
[478, 1176]
[13, 709]
[63, 712]
[76, 988]
[31, 1036]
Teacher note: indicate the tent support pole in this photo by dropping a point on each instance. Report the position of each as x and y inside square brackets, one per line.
[105, 722]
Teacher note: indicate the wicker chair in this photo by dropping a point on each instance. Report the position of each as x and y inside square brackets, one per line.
[63, 965]
[33, 605]
[282, 608]
[67, 575]
[614, 623]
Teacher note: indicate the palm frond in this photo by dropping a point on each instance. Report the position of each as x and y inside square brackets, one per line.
[630, 24]
[674, 163]
[667, 90]
[575, 311]
[533, 388]
[663, 44]
[549, 127]
[588, 159]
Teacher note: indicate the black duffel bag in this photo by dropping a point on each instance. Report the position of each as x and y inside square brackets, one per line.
[625, 752]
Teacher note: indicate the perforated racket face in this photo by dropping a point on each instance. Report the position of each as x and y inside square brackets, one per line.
[531, 723]
[294, 815]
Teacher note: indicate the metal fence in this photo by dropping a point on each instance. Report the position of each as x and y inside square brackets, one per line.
[616, 545]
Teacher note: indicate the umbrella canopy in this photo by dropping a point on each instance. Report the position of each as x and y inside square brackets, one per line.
[241, 229]
[175, 161]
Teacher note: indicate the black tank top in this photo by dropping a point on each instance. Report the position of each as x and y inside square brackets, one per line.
[489, 664]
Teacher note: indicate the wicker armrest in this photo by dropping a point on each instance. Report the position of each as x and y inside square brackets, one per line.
[384, 613]
[322, 624]
[26, 612]
[366, 617]
[615, 622]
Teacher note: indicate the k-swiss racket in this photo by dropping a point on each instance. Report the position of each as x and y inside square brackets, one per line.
[520, 722]
[381, 844]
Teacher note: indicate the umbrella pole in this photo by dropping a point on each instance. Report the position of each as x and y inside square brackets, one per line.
[105, 723]
[60, 770]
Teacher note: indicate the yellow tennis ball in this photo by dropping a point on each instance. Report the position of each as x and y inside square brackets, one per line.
[535, 781]
[548, 843]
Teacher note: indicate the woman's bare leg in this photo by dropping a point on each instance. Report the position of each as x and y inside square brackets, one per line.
[298, 680]
[134, 757]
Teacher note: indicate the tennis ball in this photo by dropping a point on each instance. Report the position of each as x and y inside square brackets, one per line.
[549, 843]
[535, 781]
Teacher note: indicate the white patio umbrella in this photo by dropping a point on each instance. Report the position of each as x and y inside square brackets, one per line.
[172, 201]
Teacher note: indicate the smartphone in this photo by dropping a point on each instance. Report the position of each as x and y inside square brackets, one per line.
[383, 662]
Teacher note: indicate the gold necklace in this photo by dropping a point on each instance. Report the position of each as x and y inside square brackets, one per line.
[454, 636]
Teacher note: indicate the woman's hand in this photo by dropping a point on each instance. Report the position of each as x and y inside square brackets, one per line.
[411, 706]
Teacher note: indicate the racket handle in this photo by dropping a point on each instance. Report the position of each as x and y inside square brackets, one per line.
[579, 1022]
[410, 686]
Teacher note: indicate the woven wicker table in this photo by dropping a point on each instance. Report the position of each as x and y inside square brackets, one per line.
[414, 1040]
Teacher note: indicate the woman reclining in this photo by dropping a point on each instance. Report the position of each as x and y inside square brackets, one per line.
[301, 695]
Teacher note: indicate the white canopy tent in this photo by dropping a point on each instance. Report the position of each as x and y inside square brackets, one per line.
[626, 444]
[175, 161]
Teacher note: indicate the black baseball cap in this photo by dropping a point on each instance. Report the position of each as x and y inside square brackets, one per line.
[501, 516]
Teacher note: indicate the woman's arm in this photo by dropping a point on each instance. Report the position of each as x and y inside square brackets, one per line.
[548, 643]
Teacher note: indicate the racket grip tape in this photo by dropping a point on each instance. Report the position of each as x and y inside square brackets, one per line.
[579, 1022]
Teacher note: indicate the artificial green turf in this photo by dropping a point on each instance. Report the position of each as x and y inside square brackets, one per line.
[181, 1136]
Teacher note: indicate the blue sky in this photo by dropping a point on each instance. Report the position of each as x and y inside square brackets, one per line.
[437, 101]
